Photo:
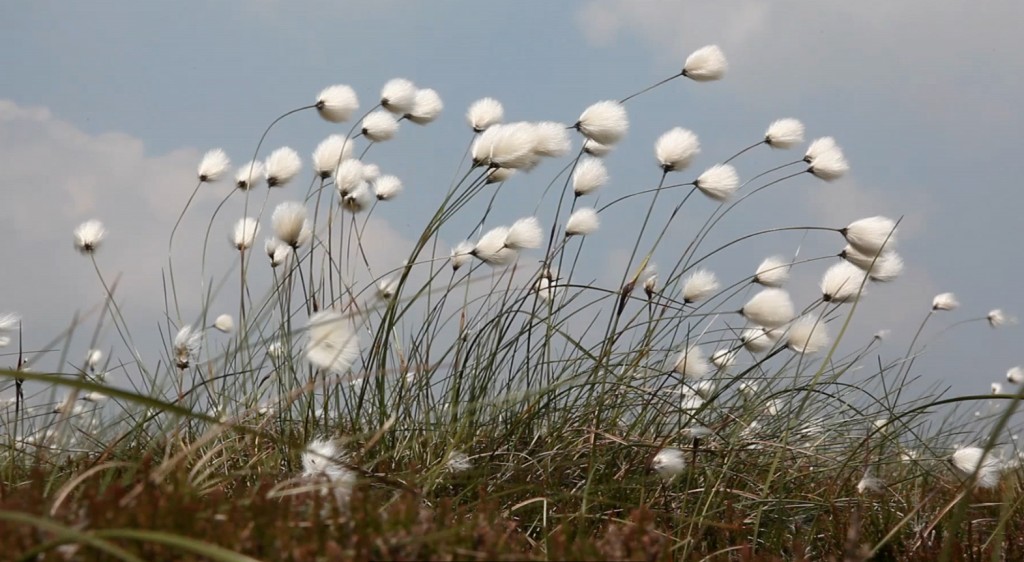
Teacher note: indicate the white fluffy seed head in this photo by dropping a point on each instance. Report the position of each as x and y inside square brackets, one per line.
[186, 346]
[324, 460]
[244, 234]
[723, 358]
[705, 64]
[89, 235]
[282, 165]
[544, 288]
[996, 388]
[885, 267]
[386, 188]
[289, 221]
[348, 176]
[498, 175]
[505, 146]
[871, 235]
[249, 175]
[387, 288]
[700, 285]
[426, 107]
[370, 172]
[590, 175]
[330, 153]
[524, 234]
[828, 164]
[974, 461]
[870, 484]
[807, 335]
[842, 283]
[757, 339]
[337, 103]
[379, 126]
[945, 301]
[772, 272]
[718, 182]
[213, 165]
[551, 139]
[595, 148]
[398, 96]
[1015, 374]
[461, 254]
[770, 308]
[224, 323]
[333, 344]
[491, 248]
[784, 133]
[676, 148]
[277, 251]
[582, 222]
[818, 147]
[997, 318]
[669, 463]
[458, 462]
[605, 122]
[93, 358]
[691, 363]
[483, 113]
[359, 199]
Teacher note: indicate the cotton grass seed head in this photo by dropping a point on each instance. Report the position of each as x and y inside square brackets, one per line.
[483, 113]
[723, 358]
[818, 147]
[590, 175]
[398, 96]
[186, 346]
[289, 221]
[870, 235]
[772, 272]
[386, 188]
[669, 463]
[595, 148]
[359, 199]
[945, 301]
[676, 148]
[1015, 374]
[281, 166]
[807, 335]
[426, 107]
[213, 165]
[325, 460]
[691, 363]
[491, 248]
[582, 222]
[458, 462]
[700, 285]
[524, 234]
[870, 484]
[885, 267]
[996, 388]
[498, 175]
[379, 126]
[224, 323]
[278, 252]
[770, 308]
[333, 345]
[842, 283]
[244, 234]
[89, 235]
[551, 139]
[705, 64]
[605, 122]
[93, 358]
[974, 461]
[461, 254]
[784, 133]
[348, 176]
[829, 164]
[330, 153]
[387, 288]
[249, 175]
[757, 339]
[337, 103]
[505, 146]
[997, 318]
[718, 182]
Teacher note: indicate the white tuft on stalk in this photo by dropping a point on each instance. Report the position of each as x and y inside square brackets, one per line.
[244, 234]
[605, 122]
[828, 162]
[89, 235]
[333, 344]
[379, 126]
[770, 308]
[213, 165]
[290, 223]
[483, 113]
[224, 323]
[1015, 374]
[676, 148]
[330, 153]
[669, 463]
[348, 176]
[718, 182]
[359, 199]
[337, 103]
[186, 346]
[705, 64]
[945, 301]
[700, 285]
[505, 146]
[595, 148]
[590, 175]
[551, 139]
[974, 461]
[723, 358]
[807, 335]
[461, 254]
[842, 283]
[997, 318]
[387, 288]
[757, 339]
[281, 166]
[582, 222]
[870, 235]
[491, 248]
[691, 363]
[426, 107]
[524, 234]
[784, 133]
[772, 272]
[386, 188]
[249, 175]
[398, 96]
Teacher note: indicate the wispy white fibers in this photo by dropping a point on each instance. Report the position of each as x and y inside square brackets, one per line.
[590, 175]
[718, 182]
[9, 322]
[398, 96]
[426, 107]
[329, 153]
[945, 301]
[213, 165]
[826, 159]
[281, 166]
[386, 188]
[224, 323]
[605, 122]
[700, 285]
[461, 254]
[387, 288]
[337, 103]
[186, 346]
[757, 339]
[870, 235]
[669, 463]
[784, 133]
[886, 267]
[1015, 375]
[348, 176]
[770, 308]
[249, 175]
[491, 248]
[505, 146]
[996, 388]
[370, 171]
[772, 272]
[676, 148]
[524, 234]
[551, 139]
[842, 283]
[359, 199]
[705, 64]
[89, 235]
[483, 113]
[807, 335]
[290, 223]
[582, 222]
[723, 358]
[974, 461]
[379, 126]
[325, 463]
[244, 233]
[997, 318]
[498, 175]
[277, 251]
[691, 363]
[595, 148]
[333, 344]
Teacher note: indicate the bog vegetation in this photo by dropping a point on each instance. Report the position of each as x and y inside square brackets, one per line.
[484, 399]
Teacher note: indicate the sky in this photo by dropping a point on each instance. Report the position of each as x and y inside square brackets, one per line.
[108, 106]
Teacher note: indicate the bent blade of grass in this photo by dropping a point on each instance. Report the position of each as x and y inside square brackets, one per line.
[65, 535]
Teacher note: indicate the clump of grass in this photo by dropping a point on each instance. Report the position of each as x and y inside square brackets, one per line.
[488, 398]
